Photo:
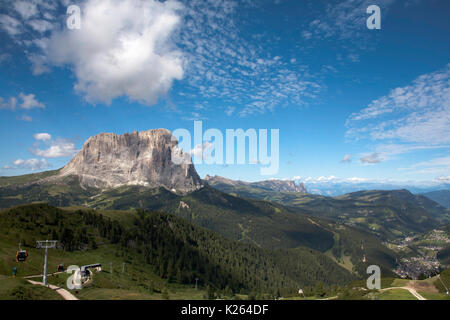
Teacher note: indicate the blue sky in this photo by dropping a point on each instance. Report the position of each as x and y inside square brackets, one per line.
[350, 103]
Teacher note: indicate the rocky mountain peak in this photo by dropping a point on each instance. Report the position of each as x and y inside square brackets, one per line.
[139, 158]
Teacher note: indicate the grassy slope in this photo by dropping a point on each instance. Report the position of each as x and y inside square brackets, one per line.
[138, 281]
[396, 294]
[17, 180]
[20, 289]
[139, 288]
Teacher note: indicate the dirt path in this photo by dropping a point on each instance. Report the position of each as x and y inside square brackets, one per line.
[329, 298]
[40, 275]
[411, 290]
[62, 292]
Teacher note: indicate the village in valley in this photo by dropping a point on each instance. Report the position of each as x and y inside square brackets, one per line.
[420, 259]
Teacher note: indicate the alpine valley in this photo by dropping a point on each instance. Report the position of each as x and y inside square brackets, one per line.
[122, 201]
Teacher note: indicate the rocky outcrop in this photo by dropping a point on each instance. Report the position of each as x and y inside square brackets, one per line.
[271, 185]
[282, 185]
[143, 158]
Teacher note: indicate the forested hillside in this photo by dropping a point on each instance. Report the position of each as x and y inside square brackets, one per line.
[175, 249]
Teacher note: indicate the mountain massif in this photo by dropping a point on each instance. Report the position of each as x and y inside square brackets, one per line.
[143, 158]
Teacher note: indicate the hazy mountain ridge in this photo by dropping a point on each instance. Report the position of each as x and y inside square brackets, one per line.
[266, 185]
[440, 196]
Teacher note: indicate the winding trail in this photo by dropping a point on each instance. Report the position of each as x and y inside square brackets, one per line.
[41, 275]
[62, 292]
[411, 290]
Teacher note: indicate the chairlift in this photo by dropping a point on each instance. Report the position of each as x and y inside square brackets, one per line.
[21, 255]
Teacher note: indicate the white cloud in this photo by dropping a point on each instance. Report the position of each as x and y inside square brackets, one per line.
[124, 48]
[371, 158]
[223, 65]
[319, 179]
[30, 164]
[42, 136]
[60, 148]
[38, 64]
[439, 165]
[25, 17]
[29, 101]
[443, 161]
[417, 113]
[347, 159]
[306, 34]
[9, 104]
[343, 20]
[26, 9]
[200, 150]
[445, 179]
[391, 151]
[193, 117]
[40, 25]
[330, 180]
[229, 110]
[26, 118]
[356, 179]
[11, 25]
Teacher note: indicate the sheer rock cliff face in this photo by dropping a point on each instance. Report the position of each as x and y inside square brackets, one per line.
[143, 158]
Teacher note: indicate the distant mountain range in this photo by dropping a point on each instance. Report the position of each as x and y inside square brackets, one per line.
[262, 186]
[338, 187]
[387, 214]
